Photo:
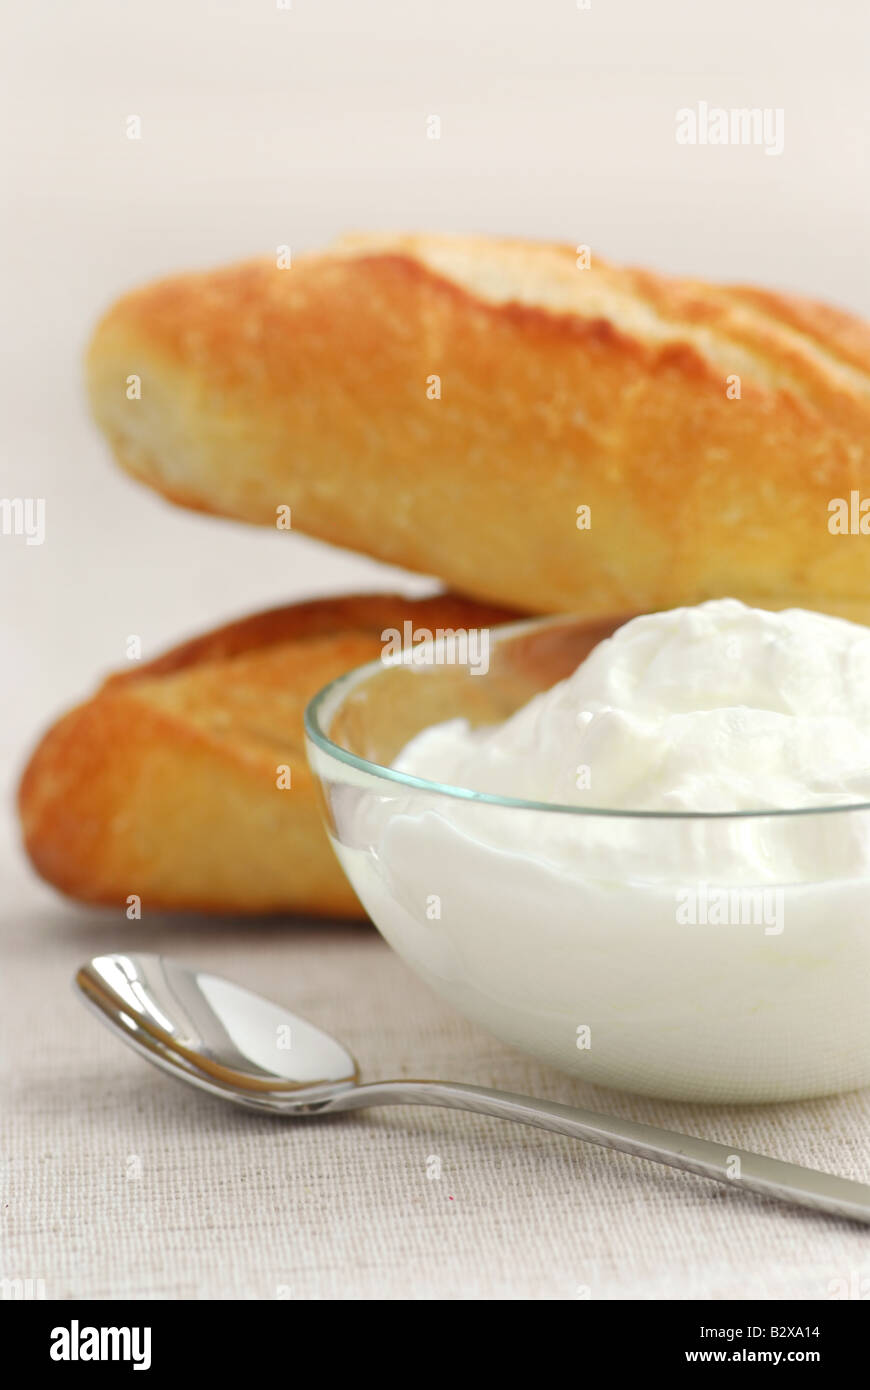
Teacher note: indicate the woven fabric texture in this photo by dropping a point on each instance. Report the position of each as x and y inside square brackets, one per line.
[116, 1182]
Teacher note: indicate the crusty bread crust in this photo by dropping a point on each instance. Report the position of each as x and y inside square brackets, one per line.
[164, 784]
[559, 387]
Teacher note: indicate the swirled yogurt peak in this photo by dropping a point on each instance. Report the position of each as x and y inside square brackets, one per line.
[720, 707]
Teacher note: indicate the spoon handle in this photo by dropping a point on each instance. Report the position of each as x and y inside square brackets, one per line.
[771, 1177]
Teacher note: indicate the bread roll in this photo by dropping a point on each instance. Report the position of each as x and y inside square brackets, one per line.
[164, 784]
[447, 404]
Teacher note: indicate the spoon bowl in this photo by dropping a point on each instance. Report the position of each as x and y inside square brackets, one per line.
[215, 1034]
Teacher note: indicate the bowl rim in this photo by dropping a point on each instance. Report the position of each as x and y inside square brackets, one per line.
[357, 675]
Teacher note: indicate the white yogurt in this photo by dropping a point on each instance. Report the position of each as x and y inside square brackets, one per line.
[714, 708]
[543, 924]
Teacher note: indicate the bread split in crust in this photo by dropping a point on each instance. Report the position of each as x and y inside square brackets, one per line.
[447, 404]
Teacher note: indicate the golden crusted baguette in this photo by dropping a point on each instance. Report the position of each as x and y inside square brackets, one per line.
[316, 387]
[164, 783]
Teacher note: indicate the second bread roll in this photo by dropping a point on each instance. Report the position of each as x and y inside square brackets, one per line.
[164, 783]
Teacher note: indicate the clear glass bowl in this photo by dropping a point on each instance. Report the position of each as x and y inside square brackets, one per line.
[601, 941]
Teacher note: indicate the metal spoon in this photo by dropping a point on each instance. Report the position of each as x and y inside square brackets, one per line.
[212, 1033]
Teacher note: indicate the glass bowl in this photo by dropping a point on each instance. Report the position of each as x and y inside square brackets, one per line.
[698, 957]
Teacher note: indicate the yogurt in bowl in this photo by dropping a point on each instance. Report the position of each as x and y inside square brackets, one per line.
[647, 864]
